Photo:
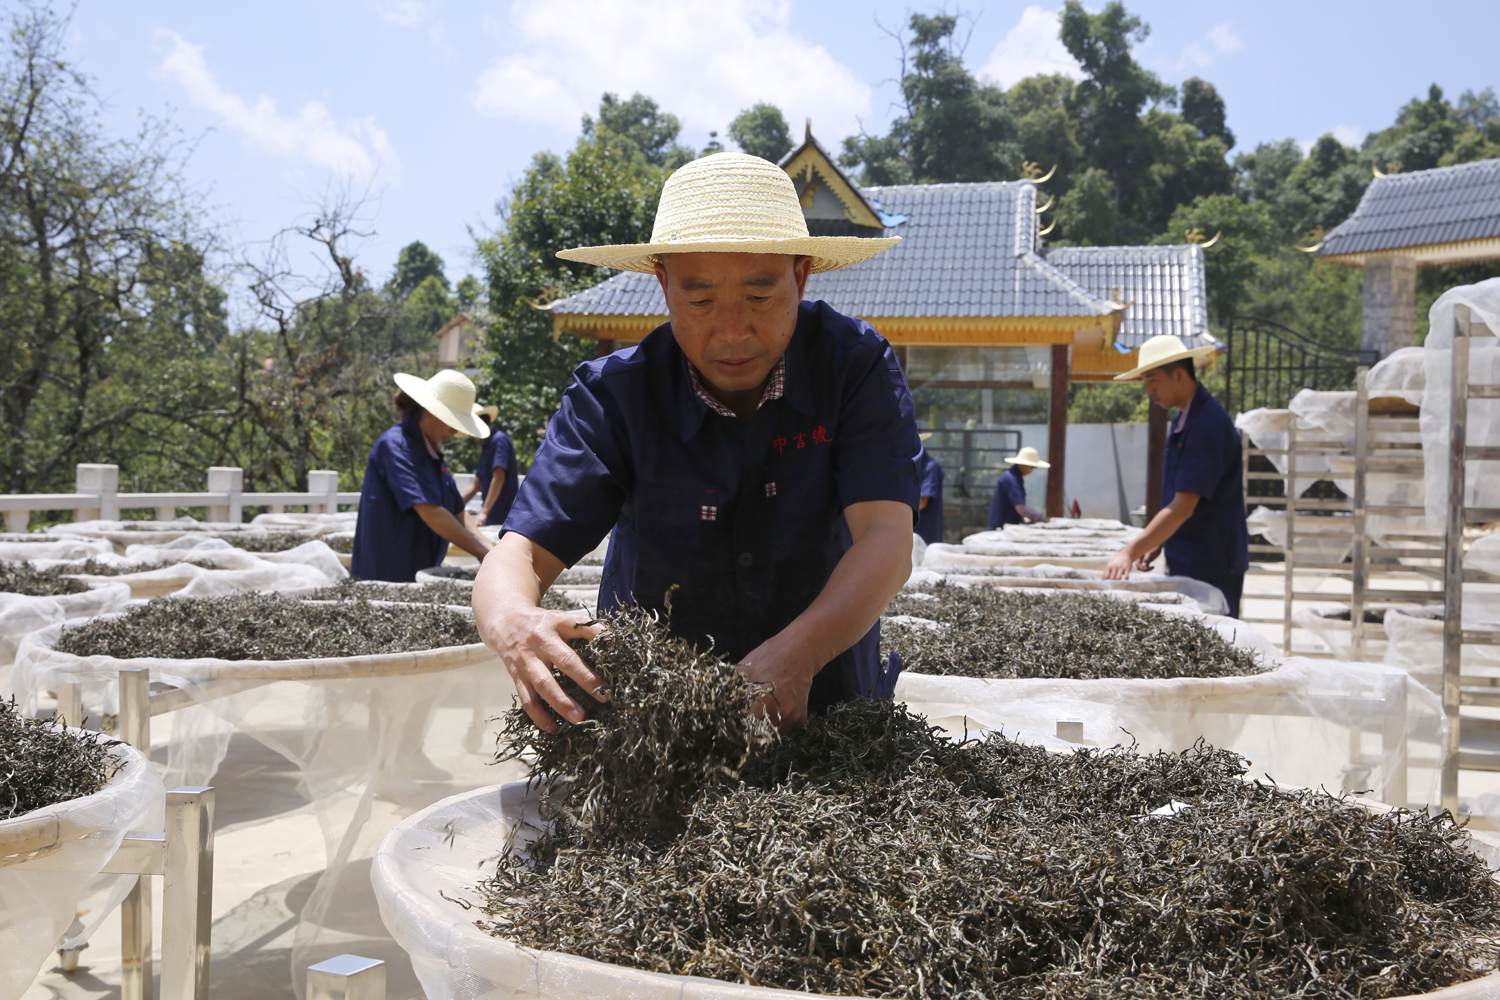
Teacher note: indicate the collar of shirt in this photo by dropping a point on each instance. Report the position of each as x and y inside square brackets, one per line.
[413, 425]
[1182, 414]
[775, 388]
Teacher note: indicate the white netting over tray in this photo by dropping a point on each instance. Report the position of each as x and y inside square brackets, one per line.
[1043, 577]
[16, 546]
[313, 525]
[43, 910]
[1481, 479]
[1079, 543]
[22, 614]
[1331, 624]
[355, 727]
[440, 854]
[195, 566]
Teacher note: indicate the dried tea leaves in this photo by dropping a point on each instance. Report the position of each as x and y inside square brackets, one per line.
[990, 632]
[677, 721]
[863, 855]
[267, 627]
[275, 541]
[350, 589]
[23, 578]
[42, 763]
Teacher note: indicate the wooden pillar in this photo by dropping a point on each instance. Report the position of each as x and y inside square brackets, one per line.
[1156, 444]
[606, 347]
[1057, 430]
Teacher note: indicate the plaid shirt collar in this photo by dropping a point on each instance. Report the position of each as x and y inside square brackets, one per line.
[774, 389]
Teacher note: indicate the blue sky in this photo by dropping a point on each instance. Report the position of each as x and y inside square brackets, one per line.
[434, 107]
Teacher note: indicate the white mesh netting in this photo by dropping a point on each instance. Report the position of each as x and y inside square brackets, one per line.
[22, 614]
[38, 909]
[194, 566]
[1481, 479]
[355, 727]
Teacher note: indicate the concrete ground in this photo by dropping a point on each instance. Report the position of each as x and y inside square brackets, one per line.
[269, 850]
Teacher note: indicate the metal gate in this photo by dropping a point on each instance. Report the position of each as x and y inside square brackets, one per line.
[1268, 363]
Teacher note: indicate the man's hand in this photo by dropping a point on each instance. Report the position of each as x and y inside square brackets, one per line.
[1144, 562]
[774, 663]
[530, 640]
[1143, 549]
[1118, 567]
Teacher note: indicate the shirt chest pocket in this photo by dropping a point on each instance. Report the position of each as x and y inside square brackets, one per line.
[678, 517]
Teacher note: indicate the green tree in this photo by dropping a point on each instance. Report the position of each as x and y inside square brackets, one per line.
[642, 124]
[1046, 128]
[414, 265]
[954, 129]
[761, 131]
[1231, 266]
[604, 191]
[1087, 215]
[469, 294]
[1203, 108]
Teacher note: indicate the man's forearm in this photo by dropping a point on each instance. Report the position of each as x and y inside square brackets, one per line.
[497, 483]
[516, 572]
[1163, 526]
[453, 530]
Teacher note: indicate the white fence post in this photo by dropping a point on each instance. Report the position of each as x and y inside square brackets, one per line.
[229, 480]
[325, 482]
[17, 520]
[105, 481]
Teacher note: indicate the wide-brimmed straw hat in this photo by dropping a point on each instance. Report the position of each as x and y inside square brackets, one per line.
[732, 203]
[449, 396]
[492, 411]
[1163, 349]
[1028, 456]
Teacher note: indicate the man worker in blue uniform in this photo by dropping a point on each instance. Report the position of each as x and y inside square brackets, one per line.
[1202, 521]
[497, 467]
[1008, 505]
[930, 506]
[757, 452]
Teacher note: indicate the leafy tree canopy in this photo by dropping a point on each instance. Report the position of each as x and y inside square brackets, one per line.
[642, 124]
[762, 131]
[414, 265]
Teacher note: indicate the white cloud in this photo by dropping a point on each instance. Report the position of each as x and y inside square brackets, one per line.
[702, 60]
[1346, 134]
[1031, 47]
[403, 13]
[1224, 40]
[1193, 56]
[353, 149]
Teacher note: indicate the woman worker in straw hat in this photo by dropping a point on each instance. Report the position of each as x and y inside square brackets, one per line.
[757, 452]
[409, 506]
[1008, 505]
[495, 475]
[1202, 525]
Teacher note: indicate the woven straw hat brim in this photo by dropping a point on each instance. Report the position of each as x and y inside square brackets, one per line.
[421, 391]
[829, 253]
[1033, 465]
[1192, 352]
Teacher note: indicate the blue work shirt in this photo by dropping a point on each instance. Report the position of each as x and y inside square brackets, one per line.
[930, 520]
[744, 517]
[1213, 545]
[1010, 496]
[497, 452]
[391, 541]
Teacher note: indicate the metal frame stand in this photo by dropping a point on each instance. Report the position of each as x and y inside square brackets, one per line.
[346, 977]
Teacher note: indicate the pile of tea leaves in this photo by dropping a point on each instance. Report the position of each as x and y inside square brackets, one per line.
[274, 541]
[23, 578]
[350, 589]
[865, 855]
[41, 763]
[267, 627]
[993, 632]
[340, 543]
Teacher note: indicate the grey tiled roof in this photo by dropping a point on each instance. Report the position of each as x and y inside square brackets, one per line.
[966, 250]
[1164, 286]
[1445, 205]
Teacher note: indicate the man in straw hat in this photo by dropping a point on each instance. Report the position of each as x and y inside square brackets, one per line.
[409, 505]
[757, 453]
[1202, 525]
[1008, 505]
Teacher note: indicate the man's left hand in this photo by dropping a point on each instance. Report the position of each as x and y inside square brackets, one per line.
[1119, 565]
[1144, 562]
[785, 705]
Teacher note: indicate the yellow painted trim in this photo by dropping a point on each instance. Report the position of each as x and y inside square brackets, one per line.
[902, 330]
[855, 209]
[1429, 254]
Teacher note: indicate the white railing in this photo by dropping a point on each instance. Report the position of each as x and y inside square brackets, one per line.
[98, 496]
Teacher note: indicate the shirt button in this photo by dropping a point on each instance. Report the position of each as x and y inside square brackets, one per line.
[746, 559]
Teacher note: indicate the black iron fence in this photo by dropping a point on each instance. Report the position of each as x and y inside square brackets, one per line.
[1268, 363]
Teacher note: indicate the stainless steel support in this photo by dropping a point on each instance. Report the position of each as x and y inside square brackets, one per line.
[1289, 562]
[1453, 554]
[1360, 580]
[187, 898]
[1393, 742]
[347, 977]
[136, 974]
[70, 703]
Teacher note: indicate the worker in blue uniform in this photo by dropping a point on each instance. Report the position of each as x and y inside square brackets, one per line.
[496, 467]
[930, 505]
[755, 458]
[1008, 505]
[1201, 525]
[409, 506]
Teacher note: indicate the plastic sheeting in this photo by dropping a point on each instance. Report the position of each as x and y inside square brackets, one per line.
[1046, 578]
[1319, 539]
[18, 547]
[355, 727]
[193, 566]
[22, 614]
[1402, 375]
[1481, 479]
[38, 909]
[439, 854]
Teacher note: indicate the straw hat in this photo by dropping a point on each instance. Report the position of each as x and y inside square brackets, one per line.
[1028, 456]
[1163, 349]
[732, 203]
[449, 396]
[492, 411]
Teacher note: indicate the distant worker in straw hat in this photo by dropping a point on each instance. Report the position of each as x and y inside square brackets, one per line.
[1202, 523]
[1008, 505]
[409, 506]
[757, 452]
[930, 503]
[495, 479]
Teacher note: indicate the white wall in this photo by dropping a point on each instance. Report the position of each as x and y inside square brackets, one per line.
[1101, 459]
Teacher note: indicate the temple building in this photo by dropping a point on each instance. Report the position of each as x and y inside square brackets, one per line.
[990, 325]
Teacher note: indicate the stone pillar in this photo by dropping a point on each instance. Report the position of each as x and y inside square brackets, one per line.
[326, 482]
[105, 481]
[230, 481]
[1057, 431]
[1390, 304]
